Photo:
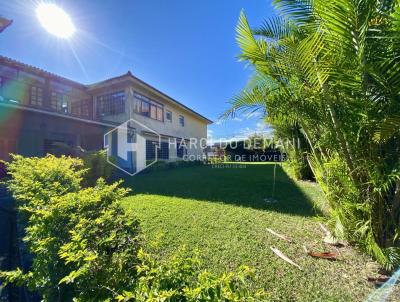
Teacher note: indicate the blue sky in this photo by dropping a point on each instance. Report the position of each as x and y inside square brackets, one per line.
[187, 49]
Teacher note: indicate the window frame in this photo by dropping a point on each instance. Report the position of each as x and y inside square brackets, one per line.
[166, 115]
[110, 104]
[141, 102]
[37, 102]
[81, 108]
[181, 149]
[58, 101]
[182, 120]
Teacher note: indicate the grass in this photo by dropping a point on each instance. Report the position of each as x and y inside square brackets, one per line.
[221, 212]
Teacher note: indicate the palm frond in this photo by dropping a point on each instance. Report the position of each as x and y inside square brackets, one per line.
[252, 50]
[387, 129]
[300, 11]
[248, 101]
[275, 28]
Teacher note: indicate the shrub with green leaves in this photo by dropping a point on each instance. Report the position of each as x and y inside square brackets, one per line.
[35, 180]
[84, 246]
[180, 279]
[97, 166]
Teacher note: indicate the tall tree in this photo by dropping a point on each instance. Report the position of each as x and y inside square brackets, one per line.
[331, 69]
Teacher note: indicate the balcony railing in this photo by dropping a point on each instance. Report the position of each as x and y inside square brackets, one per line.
[84, 111]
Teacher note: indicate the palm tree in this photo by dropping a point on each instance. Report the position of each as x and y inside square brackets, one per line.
[332, 69]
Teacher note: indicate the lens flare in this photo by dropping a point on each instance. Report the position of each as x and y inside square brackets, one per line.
[55, 20]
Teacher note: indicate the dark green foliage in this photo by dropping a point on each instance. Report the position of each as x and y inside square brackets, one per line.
[97, 165]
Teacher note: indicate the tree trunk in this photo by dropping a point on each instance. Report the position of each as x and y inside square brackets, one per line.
[344, 145]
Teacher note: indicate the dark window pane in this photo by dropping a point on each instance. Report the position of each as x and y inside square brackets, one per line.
[36, 96]
[145, 108]
[111, 104]
[169, 116]
[59, 102]
[163, 151]
[81, 108]
[151, 149]
[181, 150]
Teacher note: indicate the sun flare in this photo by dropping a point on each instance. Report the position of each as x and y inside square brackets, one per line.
[55, 20]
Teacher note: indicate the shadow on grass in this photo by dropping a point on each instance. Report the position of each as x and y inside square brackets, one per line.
[238, 184]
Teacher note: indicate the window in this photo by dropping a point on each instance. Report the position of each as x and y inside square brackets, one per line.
[162, 150]
[153, 112]
[151, 149]
[81, 108]
[36, 96]
[168, 116]
[147, 107]
[160, 114]
[182, 120]
[60, 102]
[131, 135]
[181, 150]
[111, 104]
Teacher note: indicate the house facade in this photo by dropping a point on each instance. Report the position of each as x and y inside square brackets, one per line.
[39, 109]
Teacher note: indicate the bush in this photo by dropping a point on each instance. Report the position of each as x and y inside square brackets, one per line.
[97, 166]
[35, 180]
[180, 279]
[84, 246]
[298, 167]
[94, 161]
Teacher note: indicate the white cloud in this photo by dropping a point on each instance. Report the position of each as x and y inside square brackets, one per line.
[261, 126]
[237, 119]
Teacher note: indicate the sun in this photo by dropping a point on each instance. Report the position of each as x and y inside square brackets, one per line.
[55, 20]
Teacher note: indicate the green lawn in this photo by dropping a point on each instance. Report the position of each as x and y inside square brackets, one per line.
[221, 212]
